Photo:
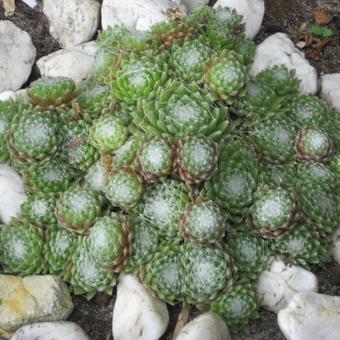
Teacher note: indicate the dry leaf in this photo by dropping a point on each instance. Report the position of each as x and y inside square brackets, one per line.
[322, 17]
[9, 7]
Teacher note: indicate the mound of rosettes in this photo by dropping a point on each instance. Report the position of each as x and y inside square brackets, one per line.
[172, 163]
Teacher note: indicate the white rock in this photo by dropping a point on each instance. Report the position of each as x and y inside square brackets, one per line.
[137, 15]
[336, 246]
[279, 49]
[12, 193]
[252, 11]
[75, 63]
[7, 95]
[63, 330]
[31, 3]
[17, 55]
[192, 4]
[72, 22]
[330, 89]
[281, 282]
[208, 326]
[311, 316]
[35, 298]
[137, 315]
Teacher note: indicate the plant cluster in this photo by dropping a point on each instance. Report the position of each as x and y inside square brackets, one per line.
[172, 163]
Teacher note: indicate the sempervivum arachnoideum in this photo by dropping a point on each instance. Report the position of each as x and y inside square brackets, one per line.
[109, 242]
[163, 206]
[76, 149]
[33, 136]
[51, 91]
[60, 245]
[280, 79]
[182, 110]
[249, 252]
[187, 60]
[108, 134]
[40, 210]
[137, 77]
[274, 212]
[144, 243]
[320, 206]
[237, 306]
[206, 272]
[273, 139]
[8, 110]
[303, 246]
[51, 176]
[203, 221]
[163, 273]
[94, 100]
[225, 76]
[196, 158]
[87, 276]
[314, 144]
[235, 182]
[155, 158]
[21, 248]
[123, 188]
[78, 208]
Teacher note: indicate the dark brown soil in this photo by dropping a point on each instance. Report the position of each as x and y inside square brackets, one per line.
[280, 16]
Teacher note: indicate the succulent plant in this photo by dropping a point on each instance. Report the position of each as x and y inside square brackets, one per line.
[236, 180]
[187, 60]
[196, 159]
[307, 110]
[182, 110]
[237, 306]
[203, 221]
[109, 242]
[313, 144]
[96, 175]
[52, 176]
[335, 164]
[33, 136]
[320, 206]
[155, 158]
[51, 91]
[108, 134]
[206, 272]
[162, 275]
[8, 109]
[163, 207]
[223, 25]
[123, 188]
[76, 149]
[21, 248]
[78, 209]
[274, 212]
[39, 210]
[280, 79]
[87, 276]
[249, 252]
[258, 100]
[60, 245]
[225, 76]
[273, 139]
[302, 246]
[245, 47]
[138, 77]
[95, 100]
[144, 244]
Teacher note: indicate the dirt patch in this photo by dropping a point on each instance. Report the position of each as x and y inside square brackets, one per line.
[287, 16]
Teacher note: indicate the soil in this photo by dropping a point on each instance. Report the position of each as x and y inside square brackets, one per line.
[287, 16]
